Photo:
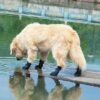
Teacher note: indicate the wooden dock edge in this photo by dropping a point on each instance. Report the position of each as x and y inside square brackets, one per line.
[87, 79]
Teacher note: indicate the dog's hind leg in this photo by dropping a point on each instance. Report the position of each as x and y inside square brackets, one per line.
[43, 57]
[59, 55]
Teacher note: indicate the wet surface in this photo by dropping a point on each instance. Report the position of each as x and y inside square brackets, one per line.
[16, 84]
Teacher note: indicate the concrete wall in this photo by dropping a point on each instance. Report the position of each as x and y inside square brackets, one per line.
[71, 12]
[86, 4]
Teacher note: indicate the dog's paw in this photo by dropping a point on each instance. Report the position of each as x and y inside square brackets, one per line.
[38, 67]
[55, 73]
[25, 67]
[78, 73]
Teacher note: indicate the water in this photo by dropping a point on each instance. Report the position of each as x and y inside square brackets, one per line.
[20, 85]
[16, 84]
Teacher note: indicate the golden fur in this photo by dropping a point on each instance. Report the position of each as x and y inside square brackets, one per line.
[62, 40]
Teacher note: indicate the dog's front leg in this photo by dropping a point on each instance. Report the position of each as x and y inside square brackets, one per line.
[40, 65]
[43, 56]
[31, 57]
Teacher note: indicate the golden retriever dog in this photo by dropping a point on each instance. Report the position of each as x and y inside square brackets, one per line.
[62, 40]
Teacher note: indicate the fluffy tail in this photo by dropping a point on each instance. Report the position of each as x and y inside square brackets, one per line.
[77, 56]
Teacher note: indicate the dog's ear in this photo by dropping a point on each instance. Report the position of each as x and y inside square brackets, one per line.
[13, 50]
[13, 47]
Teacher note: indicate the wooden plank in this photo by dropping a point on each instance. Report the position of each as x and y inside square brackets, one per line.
[89, 77]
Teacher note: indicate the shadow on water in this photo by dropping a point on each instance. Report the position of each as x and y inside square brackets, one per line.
[23, 87]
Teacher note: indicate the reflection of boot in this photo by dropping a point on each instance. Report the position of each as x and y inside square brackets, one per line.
[78, 72]
[56, 72]
[27, 73]
[41, 62]
[27, 66]
[40, 77]
[57, 82]
[40, 73]
[77, 85]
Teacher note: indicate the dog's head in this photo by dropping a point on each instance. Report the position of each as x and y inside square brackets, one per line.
[17, 49]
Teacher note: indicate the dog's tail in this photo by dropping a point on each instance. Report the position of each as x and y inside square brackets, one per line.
[77, 56]
[76, 53]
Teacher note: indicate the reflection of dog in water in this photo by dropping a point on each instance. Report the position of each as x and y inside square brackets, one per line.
[40, 91]
[56, 93]
[74, 93]
[23, 88]
[59, 93]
